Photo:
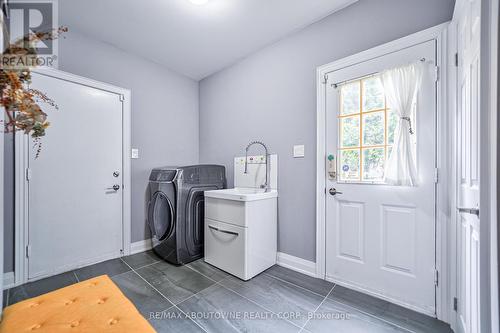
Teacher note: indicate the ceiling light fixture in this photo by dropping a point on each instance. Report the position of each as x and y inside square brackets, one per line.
[199, 2]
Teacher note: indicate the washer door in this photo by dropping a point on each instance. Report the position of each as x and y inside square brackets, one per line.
[161, 216]
[195, 219]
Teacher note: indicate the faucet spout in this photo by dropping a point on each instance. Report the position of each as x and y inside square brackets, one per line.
[266, 183]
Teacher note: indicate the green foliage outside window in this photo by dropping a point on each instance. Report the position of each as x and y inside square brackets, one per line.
[366, 127]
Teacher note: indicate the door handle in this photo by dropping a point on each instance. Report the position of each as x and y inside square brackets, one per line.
[115, 187]
[333, 191]
[472, 211]
[223, 231]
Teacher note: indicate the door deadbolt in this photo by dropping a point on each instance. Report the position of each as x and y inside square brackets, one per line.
[333, 191]
[116, 174]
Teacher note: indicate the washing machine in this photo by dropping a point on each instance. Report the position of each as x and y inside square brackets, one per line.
[175, 209]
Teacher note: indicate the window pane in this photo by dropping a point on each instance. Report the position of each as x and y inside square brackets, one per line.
[373, 164]
[350, 94]
[392, 121]
[373, 94]
[349, 127]
[349, 164]
[373, 128]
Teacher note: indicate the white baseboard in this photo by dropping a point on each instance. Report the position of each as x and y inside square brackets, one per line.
[296, 264]
[8, 280]
[141, 246]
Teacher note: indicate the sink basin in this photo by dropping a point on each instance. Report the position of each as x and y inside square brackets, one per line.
[242, 194]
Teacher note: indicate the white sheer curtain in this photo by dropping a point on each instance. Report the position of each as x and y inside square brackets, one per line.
[401, 87]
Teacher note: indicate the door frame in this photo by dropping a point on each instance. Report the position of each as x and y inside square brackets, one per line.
[22, 146]
[439, 34]
[488, 200]
[494, 108]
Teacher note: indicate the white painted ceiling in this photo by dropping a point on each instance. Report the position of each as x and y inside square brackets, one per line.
[191, 39]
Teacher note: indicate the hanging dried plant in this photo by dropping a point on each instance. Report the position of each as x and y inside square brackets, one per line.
[20, 102]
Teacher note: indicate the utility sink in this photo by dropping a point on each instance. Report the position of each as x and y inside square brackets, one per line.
[241, 224]
[242, 194]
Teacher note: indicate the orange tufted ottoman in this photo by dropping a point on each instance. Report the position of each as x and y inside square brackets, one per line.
[92, 306]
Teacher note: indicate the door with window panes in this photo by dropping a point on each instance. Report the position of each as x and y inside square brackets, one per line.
[380, 238]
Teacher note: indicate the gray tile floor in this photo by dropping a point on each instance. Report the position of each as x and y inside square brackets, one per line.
[201, 298]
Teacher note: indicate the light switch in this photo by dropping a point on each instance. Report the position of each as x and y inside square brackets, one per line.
[299, 151]
[135, 153]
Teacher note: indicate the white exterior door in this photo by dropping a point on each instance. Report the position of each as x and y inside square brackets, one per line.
[468, 166]
[75, 215]
[380, 239]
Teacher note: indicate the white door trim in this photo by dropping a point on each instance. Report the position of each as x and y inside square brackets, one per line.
[494, 109]
[22, 144]
[438, 33]
[488, 203]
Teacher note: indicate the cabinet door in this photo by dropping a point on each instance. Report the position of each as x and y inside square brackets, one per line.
[225, 246]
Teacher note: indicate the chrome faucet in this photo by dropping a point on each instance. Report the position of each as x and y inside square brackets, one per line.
[265, 186]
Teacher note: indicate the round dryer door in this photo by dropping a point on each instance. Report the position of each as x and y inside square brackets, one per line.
[161, 216]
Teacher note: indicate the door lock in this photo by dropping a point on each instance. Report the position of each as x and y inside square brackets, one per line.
[115, 187]
[116, 174]
[333, 191]
[332, 167]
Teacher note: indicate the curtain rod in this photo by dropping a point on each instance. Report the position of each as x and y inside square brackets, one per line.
[336, 85]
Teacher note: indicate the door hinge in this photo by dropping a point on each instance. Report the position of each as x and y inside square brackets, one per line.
[325, 79]
[436, 73]
[28, 251]
[455, 303]
[436, 175]
[436, 278]
[456, 59]
[122, 98]
[28, 174]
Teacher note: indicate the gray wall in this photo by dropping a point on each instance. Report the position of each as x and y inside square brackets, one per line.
[8, 203]
[164, 110]
[2, 251]
[271, 96]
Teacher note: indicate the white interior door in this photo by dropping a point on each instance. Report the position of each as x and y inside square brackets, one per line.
[380, 239]
[468, 165]
[75, 216]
